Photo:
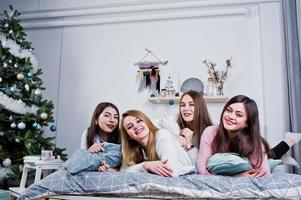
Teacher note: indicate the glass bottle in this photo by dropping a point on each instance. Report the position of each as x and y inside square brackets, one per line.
[210, 87]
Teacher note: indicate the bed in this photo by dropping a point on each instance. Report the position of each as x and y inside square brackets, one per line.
[147, 186]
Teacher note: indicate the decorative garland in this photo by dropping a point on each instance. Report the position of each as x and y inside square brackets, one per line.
[17, 106]
[16, 50]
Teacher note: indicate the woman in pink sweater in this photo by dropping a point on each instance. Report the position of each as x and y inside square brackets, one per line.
[238, 132]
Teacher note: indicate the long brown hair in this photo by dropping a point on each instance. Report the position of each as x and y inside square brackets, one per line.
[201, 118]
[94, 129]
[132, 151]
[246, 141]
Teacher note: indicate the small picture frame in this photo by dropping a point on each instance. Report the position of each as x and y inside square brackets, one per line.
[46, 155]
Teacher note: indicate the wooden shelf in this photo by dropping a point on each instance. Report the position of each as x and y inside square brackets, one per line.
[166, 100]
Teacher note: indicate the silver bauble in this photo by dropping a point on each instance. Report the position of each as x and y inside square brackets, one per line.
[6, 162]
[37, 92]
[21, 125]
[26, 87]
[20, 76]
[43, 116]
[13, 125]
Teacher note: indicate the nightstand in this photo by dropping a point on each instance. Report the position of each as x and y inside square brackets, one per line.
[40, 167]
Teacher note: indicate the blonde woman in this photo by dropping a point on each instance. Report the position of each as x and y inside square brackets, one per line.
[145, 148]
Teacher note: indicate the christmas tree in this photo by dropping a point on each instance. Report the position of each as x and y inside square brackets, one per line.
[23, 111]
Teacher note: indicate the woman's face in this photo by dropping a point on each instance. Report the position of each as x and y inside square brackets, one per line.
[235, 117]
[136, 129]
[108, 119]
[187, 108]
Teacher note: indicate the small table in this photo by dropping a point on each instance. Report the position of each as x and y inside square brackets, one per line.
[40, 166]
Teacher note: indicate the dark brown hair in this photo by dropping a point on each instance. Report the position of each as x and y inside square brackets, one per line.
[93, 129]
[246, 141]
[201, 118]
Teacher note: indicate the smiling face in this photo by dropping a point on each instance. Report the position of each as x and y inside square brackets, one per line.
[108, 119]
[187, 108]
[136, 129]
[235, 117]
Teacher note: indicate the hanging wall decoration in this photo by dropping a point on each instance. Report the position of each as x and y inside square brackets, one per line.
[148, 74]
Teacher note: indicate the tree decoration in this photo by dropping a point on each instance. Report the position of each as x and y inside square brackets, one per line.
[6, 162]
[217, 76]
[16, 106]
[20, 76]
[13, 125]
[21, 125]
[53, 128]
[37, 92]
[43, 116]
[23, 111]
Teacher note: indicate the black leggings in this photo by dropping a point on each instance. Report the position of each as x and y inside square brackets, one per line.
[279, 150]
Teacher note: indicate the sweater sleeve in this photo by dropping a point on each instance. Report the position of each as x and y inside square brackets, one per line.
[168, 148]
[205, 149]
[83, 141]
[133, 168]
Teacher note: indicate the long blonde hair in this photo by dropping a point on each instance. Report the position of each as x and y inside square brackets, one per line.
[132, 151]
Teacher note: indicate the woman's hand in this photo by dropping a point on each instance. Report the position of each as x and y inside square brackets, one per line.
[253, 173]
[249, 173]
[96, 148]
[182, 141]
[106, 168]
[158, 167]
[187, 134]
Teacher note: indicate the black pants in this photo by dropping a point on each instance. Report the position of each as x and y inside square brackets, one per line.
[279, 150]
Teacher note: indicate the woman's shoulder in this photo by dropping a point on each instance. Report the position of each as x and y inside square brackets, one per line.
[169, 122]
[163, 134]
[210, 130]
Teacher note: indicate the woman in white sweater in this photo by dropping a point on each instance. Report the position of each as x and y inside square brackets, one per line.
[145, 148]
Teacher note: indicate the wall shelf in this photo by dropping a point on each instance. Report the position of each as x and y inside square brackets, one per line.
[166, 100]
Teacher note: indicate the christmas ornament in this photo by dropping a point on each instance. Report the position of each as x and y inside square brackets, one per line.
[10, 31]
[26, 87]
[1, 133]
[16, 106]
[17, 140]
[12, 88]
[4, 65]
[53, 128]
[43, 116]
[29, 74]
[171, 102]
[15, 65]
[20, 76]
[13, 125]
[21, 125]
[10, 61]
[0, 79]
[37, 92]
[6, 162]
[10, 118]
[39, 126]
[16, 50]
[5, 25]
[35, 125]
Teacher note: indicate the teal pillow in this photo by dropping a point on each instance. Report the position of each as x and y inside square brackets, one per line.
[232, 163]
[227, 164]
[273, 163]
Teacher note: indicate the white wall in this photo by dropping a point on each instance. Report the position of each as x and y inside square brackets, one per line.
[87, 50]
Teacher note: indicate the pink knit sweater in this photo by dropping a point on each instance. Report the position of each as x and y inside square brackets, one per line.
[205, 151]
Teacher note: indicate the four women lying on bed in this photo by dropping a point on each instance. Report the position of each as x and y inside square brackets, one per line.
[144, 147]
